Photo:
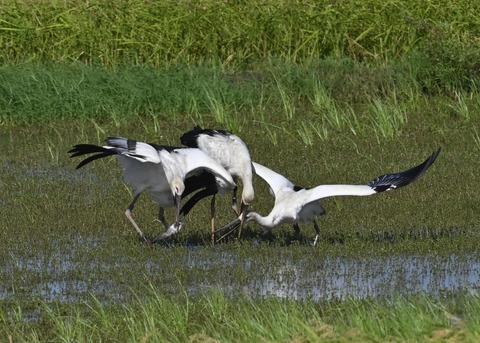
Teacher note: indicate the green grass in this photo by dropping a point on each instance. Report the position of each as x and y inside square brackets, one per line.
[329, 97]
[212, 317]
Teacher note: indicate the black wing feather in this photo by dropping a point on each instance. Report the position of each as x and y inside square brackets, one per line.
[393, 181]
[198, 181]
[131, 144]
[83, 149]
[205, 182]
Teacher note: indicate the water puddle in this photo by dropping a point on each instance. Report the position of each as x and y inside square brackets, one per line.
[337, 278]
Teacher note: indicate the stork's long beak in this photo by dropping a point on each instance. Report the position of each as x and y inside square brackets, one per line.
[230, 227]
[176, 201]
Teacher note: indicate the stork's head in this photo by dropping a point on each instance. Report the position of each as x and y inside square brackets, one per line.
[177, 186]
[247, 194]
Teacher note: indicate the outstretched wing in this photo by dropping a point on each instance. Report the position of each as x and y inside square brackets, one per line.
[127, 147]
[275, 180]
[382, 183]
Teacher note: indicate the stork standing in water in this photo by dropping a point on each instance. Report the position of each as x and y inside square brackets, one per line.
[164, 172]
[232, 153]
[294, 204]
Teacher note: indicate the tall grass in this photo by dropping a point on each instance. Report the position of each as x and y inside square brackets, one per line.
[223, 112]
[232, 33]
[312, 102]
[213, 317]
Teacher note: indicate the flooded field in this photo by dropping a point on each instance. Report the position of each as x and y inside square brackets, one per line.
[65, 237]
[339, 104]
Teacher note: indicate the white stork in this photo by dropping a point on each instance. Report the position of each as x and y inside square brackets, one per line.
[232, 153]
[164, 172]
[294, 204]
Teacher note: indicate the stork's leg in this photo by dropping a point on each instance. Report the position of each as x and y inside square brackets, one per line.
[128, 214]
[161, 217]
[212, 218]
[234, 200]
[317, 230]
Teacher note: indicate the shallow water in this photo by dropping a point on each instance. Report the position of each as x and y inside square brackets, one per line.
[62, 276]
[338, 278]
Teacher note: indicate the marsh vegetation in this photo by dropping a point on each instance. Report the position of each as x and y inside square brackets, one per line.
[321, 92]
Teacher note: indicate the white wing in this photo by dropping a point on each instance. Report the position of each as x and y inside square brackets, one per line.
[325, 191]
[382, 183]
[195, 159]
[275, 180]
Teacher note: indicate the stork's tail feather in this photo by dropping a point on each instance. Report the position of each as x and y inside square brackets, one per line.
[393, 181]
[84, 149]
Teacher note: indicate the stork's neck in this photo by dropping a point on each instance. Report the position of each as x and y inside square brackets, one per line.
[248, 193]
[263, 221]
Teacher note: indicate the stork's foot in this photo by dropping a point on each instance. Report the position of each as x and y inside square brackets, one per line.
[173, 229]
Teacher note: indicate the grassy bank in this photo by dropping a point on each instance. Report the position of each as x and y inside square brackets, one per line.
[443, 35]
[215, 318]
[311, 102]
